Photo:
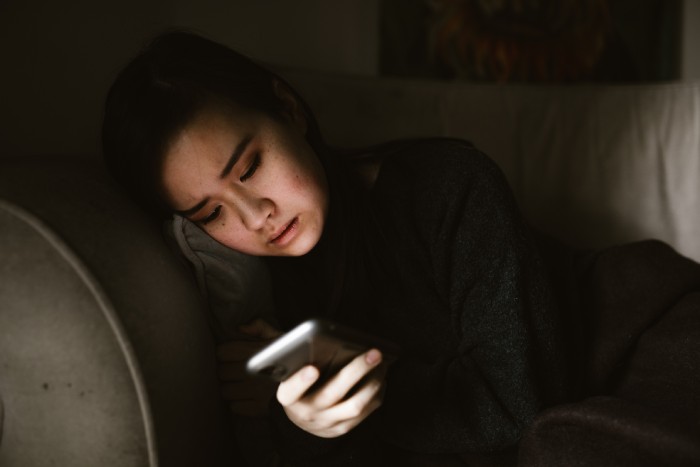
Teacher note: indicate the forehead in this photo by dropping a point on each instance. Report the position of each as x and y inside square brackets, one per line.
[212, 126]
[208, 130]
[201, 148]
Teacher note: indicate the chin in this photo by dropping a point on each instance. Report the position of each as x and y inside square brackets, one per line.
[302, 246]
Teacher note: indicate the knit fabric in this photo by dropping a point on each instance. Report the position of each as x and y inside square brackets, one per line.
[462, 289]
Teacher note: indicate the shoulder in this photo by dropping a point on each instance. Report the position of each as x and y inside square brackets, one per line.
[417, 148]
[441, 183]
[420, 158]
[443, 166]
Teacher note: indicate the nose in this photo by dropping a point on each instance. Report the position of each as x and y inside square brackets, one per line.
[254, 212]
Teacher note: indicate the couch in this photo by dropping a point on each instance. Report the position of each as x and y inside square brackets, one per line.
[107, 355]
[594, 165]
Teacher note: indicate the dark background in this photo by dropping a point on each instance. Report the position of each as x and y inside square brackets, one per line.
[58, 58]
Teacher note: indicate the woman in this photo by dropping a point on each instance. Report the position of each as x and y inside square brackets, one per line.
[419, 242]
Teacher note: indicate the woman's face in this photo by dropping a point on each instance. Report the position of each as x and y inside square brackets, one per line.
[251, 181]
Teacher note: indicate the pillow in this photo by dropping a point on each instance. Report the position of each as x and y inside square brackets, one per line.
[238, 289]
[237, 286]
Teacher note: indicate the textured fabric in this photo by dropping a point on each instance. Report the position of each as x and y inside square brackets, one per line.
[58, 335]
[607, 431]
[47, 325]
[589, 354]
[641, 404]
[236, 286]
[462, 291]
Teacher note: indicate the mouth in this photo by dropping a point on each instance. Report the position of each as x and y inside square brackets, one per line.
[286, 233]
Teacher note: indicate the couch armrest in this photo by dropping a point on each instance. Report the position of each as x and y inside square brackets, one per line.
[105, 350]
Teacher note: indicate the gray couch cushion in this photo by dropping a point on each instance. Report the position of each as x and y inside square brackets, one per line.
[237, 286]
[105, 352]
[72, 384]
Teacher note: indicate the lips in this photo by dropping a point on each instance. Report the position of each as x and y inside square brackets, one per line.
[286, 233]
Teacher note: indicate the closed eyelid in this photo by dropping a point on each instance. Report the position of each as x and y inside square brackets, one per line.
[235, 156]
[194, 209]
[252, 168]
[212, 216]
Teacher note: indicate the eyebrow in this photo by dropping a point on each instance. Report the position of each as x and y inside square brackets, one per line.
[237, 153]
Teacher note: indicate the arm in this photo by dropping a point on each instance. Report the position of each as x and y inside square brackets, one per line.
[489, 276]
[479, 395]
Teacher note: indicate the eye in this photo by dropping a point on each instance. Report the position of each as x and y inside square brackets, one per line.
[251, 170]
[211, 217]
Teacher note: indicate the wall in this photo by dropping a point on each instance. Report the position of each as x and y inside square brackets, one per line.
[332, 35]
[58, 58]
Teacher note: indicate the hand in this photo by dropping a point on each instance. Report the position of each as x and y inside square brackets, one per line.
[329, 411]
[246, 395]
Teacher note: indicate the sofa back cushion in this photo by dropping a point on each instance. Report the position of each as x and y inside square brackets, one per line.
[594, 165]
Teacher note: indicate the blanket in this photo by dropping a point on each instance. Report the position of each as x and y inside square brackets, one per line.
[638, 335]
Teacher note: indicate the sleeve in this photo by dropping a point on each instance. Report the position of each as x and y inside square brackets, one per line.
[507, 363]
[479, 396]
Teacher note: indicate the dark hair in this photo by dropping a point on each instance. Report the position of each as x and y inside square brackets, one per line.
[162, 89]
[158, 93]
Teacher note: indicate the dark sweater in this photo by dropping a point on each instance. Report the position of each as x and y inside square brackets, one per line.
[450, 273]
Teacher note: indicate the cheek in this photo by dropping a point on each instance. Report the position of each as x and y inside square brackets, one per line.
[291, 182]
[230, 235]
[310, 192]
[310, 182]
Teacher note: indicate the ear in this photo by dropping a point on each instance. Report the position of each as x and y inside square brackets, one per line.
[292, 107]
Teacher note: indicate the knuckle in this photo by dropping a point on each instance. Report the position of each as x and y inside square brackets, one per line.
[341, 429]
[355, 408]
[323, 399]
[305, 415]
[283, 396]
[301, 413]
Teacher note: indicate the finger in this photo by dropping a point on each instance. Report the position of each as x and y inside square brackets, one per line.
[339, 385]
[259, 328]
[344, 417]
[238, 350]
[293, 388]
[346, 426]
[364, 401]
[352, 411]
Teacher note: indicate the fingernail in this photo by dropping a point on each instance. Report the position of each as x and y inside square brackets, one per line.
[373, 356]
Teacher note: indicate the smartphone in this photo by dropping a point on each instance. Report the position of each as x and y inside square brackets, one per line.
[326, 345]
